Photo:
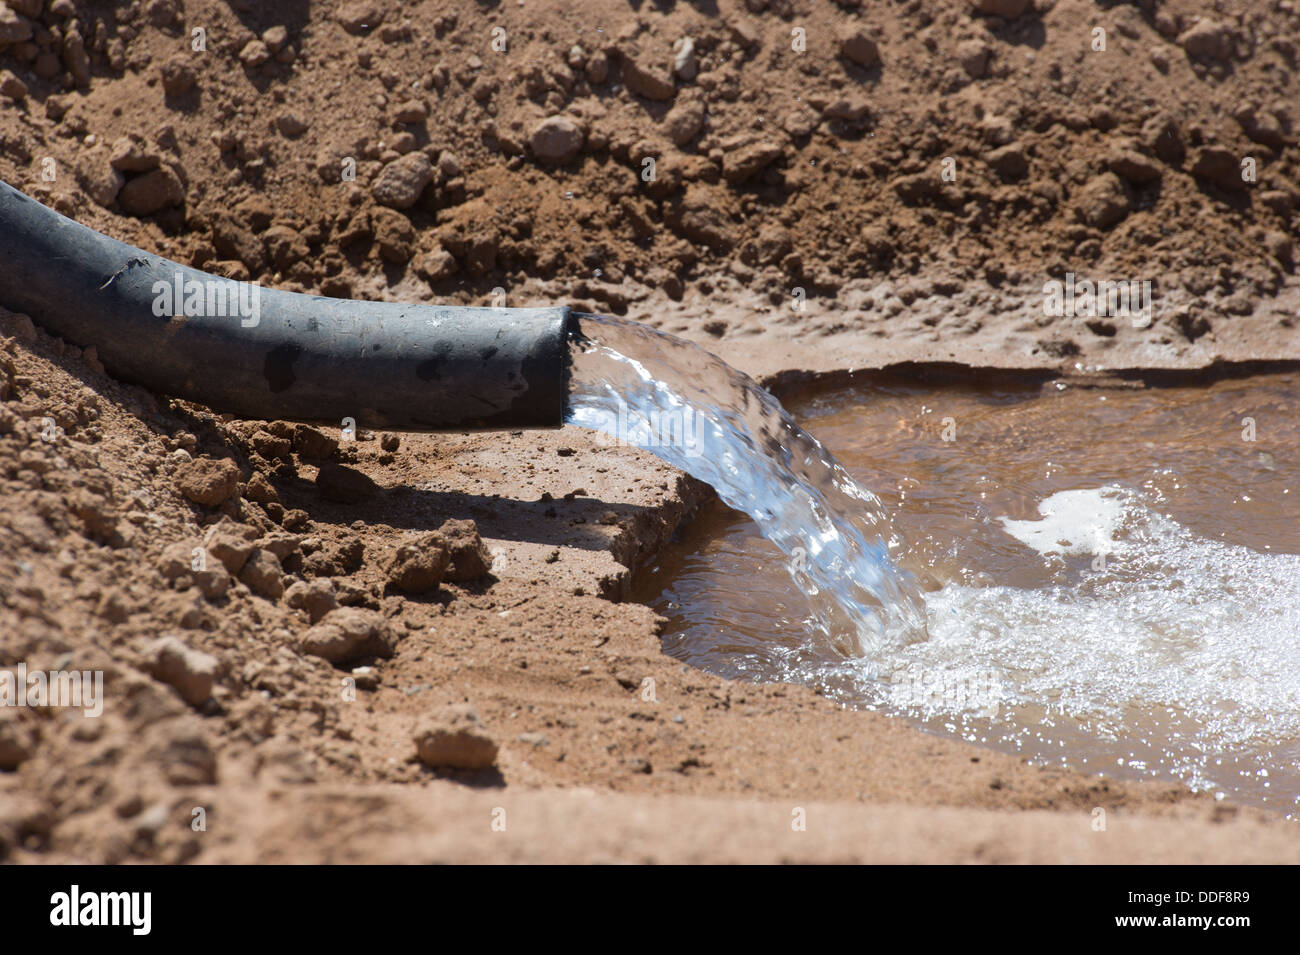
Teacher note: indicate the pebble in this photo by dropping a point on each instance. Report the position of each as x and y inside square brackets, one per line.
[400, 183]
[454, 738]
[191, 672]
[556, 140]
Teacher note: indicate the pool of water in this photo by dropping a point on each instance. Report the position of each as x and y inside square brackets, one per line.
[1112, 575]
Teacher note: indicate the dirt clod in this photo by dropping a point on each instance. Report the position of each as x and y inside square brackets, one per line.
[209, 481]
[191, 672]
[348, 635]
[454, 738]
[418, 566]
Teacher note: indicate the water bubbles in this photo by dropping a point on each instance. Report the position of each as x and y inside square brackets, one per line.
[1084, 553]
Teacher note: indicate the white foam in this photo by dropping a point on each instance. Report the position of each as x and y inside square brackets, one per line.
[1074, 523]
[1174, 625]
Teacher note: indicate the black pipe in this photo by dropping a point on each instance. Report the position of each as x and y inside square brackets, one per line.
[263, 353]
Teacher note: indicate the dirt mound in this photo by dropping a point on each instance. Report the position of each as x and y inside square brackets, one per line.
[612, 156]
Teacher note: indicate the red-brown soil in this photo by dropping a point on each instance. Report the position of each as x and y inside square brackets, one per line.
[774, 171]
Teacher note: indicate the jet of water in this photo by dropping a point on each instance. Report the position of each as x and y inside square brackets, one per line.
[658, 392]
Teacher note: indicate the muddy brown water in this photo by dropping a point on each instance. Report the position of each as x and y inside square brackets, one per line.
[1112, 575]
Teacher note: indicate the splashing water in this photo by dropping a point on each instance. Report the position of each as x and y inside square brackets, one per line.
[678, 401]
[1113, 576]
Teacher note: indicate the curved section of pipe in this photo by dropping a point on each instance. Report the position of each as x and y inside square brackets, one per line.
[262, 353]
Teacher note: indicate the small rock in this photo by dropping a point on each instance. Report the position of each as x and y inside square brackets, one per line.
[740, 165]
[449, 166]
[349, 634]
[100, 180]
[1162, 136]
[360, 17]
[209, 481]
[12, 87]
[1261, 126]
[1219, 165]
[132, 154]
[1102, 202]
[191, 672]
[858, 46]
[75, 57]
[1280, 246]
[851, 110]
[235, 241]
[176, 560]
[645, 80]
[254, 54]
[597, 68]
[270, 446]
[291, 125]
[400, 183]
[287, 248]
[454, 738]
[262, 574]
[799, 124]
[1010, 161]
[151, 193]
[1134, 167]
[412, 111]
[315, 597]
[275, 38]
[684, 122]
[1207, 39]
[557, 140]
[231, 545]
[177, 74]
[997, 130]
[973, 56]
[685, 62]
[394, 235]
[390, 442]
[213, 581]
[281, 545]
[744, 34]
[13, 27]
[436, 266]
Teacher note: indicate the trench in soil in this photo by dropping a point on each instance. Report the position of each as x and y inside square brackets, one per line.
[1112, 574]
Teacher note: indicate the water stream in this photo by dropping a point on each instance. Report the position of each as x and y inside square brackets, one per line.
[654, 391]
